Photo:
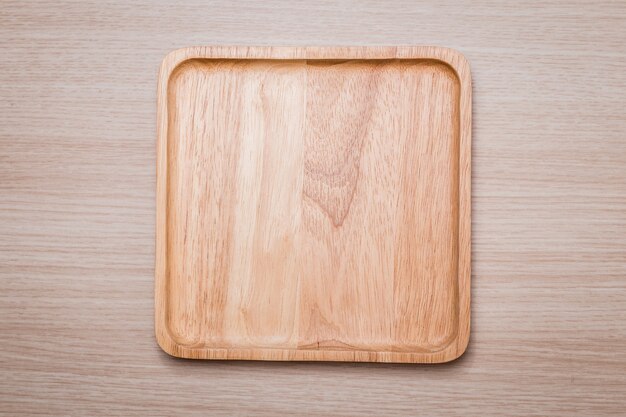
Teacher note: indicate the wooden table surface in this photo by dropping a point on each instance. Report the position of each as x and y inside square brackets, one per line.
[77, 211]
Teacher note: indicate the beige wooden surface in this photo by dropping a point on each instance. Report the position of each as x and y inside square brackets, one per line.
[77, 211]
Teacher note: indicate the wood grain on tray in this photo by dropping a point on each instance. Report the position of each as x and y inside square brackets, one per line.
[314, 204]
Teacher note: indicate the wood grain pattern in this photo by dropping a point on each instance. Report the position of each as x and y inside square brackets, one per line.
[77, 211]
[313, 204]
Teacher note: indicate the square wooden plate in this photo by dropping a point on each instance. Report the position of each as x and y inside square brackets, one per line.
[314, 204]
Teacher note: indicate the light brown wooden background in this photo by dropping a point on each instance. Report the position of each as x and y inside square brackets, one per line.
[77, 211]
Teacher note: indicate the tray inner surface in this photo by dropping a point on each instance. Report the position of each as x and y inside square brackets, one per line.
[313, 204]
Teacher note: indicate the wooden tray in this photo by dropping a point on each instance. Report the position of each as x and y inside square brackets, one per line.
[314, 204]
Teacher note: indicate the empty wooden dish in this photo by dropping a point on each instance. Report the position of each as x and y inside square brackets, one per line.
[314, 204]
